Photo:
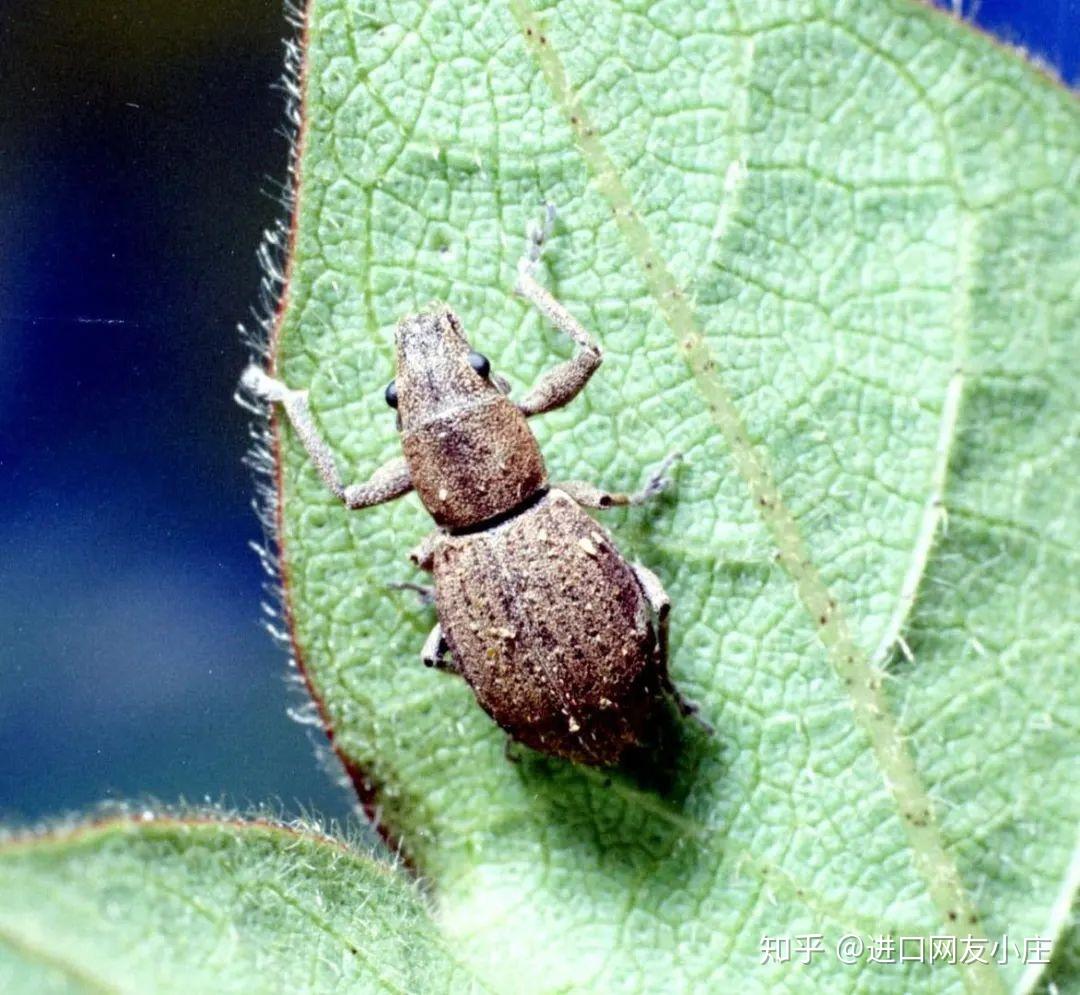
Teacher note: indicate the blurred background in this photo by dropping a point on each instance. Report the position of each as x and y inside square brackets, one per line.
[141, 151]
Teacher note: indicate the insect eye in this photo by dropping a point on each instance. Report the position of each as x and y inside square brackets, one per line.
[391, 393]
[480, 363]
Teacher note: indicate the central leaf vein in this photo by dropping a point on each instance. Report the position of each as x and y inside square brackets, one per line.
[862, 678]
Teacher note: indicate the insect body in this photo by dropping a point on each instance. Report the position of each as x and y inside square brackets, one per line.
[562, 641]
[552, 629]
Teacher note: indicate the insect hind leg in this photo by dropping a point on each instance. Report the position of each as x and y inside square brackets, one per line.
[435, 651]
[660, 602]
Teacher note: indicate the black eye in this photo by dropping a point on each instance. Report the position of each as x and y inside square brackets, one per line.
[391, 393]
[479, 363]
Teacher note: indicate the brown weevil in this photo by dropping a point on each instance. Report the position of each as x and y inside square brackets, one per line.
[562, 640]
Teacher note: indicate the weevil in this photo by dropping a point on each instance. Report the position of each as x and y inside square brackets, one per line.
[563, 642]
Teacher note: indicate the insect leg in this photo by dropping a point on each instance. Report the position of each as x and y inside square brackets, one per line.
[390, 481]
[591, 496]
[423, 553]
[660, 602]
[434, 653]
[513, 750]
[425, 592]
[562, 384]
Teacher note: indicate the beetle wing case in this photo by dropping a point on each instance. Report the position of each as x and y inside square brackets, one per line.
[549, 626]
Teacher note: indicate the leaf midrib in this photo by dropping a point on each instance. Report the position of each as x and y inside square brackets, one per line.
[862, 679]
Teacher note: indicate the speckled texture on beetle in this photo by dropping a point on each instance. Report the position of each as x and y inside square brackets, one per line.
[563, 642]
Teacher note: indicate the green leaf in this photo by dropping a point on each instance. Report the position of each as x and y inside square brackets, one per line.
[1063, 974]
[196, 906]
[832, 251]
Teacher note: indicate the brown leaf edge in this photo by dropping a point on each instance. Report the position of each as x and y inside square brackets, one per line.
[276, 253]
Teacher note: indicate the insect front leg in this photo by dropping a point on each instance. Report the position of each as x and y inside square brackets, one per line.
[562, 384]
[388, 482]
[590, 496]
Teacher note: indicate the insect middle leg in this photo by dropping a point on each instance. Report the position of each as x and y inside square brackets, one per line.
[562, 384]
[591, 496]
[423, 553]
[425, 592]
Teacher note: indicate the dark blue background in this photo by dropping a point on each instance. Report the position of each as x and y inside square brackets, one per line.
[140, 145]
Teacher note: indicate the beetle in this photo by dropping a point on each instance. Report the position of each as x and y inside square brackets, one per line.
[563, 642]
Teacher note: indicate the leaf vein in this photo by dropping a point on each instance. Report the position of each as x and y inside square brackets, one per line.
[862, 678]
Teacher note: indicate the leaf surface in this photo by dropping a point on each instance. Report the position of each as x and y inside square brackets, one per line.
[831, 252]
[178, 906]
